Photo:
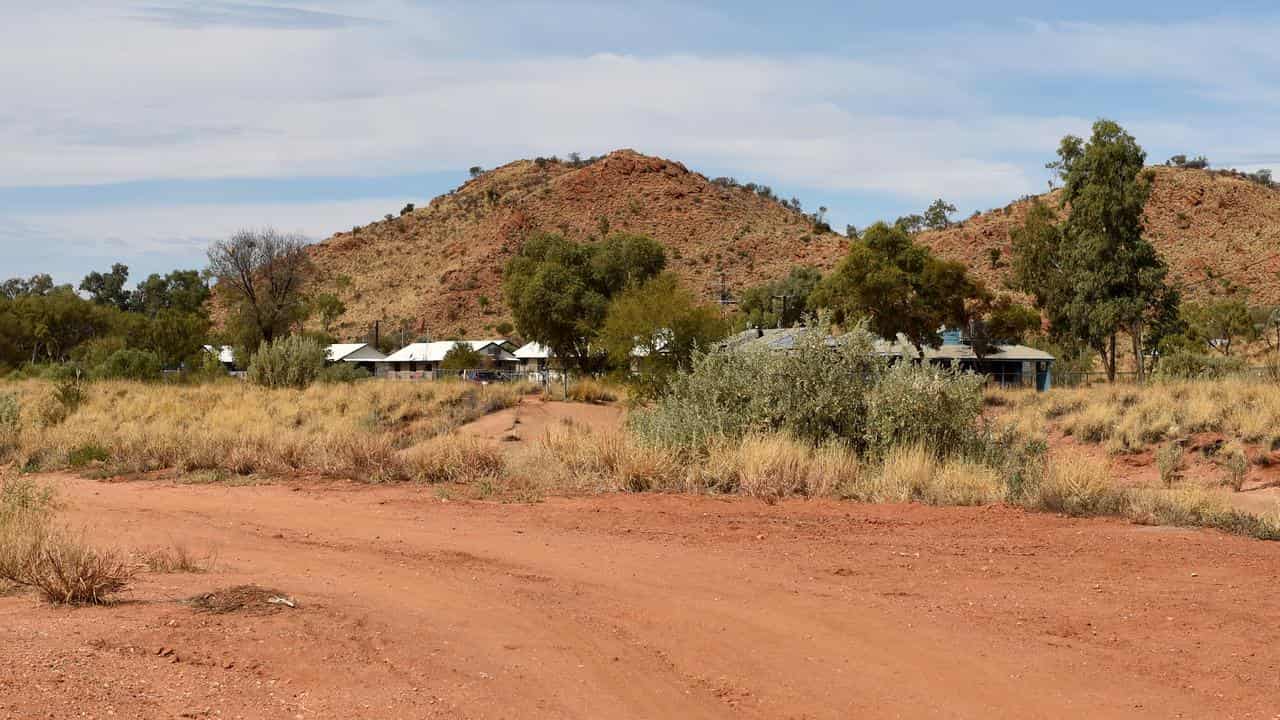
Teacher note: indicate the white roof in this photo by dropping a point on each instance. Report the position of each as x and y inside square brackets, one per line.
[341, 351]
[226, 354]
[435, 351]
[533, 351]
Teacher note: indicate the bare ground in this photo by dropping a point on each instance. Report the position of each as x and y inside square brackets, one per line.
[648, 607]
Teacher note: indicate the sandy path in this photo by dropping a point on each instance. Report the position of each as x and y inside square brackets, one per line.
[652, 607]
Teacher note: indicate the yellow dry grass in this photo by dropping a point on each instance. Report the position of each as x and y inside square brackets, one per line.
[1133, 418]
[355, 430]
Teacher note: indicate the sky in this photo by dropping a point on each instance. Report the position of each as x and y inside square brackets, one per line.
[139, 132]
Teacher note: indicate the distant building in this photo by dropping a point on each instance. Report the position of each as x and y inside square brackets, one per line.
[226, 355]
[537, 362]
[421, 361]
[362, 355]
[1007, 365]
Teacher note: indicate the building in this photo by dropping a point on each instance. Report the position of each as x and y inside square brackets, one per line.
[421, 361]
[537, 363]
[226, 355]
[362, 355]
[1006, 365]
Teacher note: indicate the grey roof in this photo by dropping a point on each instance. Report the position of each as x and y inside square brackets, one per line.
[785, 339]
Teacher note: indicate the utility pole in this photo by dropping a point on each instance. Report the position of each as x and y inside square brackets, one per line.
[723, 296]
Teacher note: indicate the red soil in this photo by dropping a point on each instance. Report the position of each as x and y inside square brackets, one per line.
[648, 607]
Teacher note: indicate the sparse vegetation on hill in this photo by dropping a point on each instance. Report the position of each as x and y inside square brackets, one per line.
[432, 265]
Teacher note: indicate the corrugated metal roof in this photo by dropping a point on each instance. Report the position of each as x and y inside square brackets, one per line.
[435, 351]
[226, 354]
[338, 351]
[533, 351]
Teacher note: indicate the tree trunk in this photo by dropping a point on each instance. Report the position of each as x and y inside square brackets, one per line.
[1109, 359]
[1139, 364]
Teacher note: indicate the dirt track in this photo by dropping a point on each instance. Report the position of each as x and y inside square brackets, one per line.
[650, 607]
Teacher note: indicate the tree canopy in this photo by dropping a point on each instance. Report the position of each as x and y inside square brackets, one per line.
[559, 290]
[1096, 275]
[463, 357]
[658, 326]
[261, 273]
[898, 286]
[781, 303]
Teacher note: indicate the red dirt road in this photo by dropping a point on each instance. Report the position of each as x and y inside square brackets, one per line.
[649, 607]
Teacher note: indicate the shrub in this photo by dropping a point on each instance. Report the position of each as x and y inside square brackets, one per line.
[822, 390]
[129, 364]
[772, 467]
[61, 565]
[10, 424]
[815, 393]
[67, 395]
[923, 405]
[1169, 461]
[343, 372]
[1194, 366]
[1237, 465]
[178, 558]
[290, 362]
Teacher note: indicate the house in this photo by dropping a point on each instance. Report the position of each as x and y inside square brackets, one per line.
[363, 355]
[226, 355]
[537, 362]
[1006, 365]
[421, 361]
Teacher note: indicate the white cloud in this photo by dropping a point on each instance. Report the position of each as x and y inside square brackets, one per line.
[164, 233]
[99, 93]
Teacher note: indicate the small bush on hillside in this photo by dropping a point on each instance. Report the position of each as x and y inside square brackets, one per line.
[67, 396]
[343, 372]
[129, 364]
[291, 362]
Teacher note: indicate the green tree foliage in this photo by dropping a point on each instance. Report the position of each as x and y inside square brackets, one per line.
[289, 362]
[41, 322]
[109, 288]
[781, 303]
[658, 326]
[1219, 324]
[936, 217]
[261, 273]
[329, 308]
[559, 290]
[1095, 275]
[181, 290]
[998, 320]
[898, 286]
[463, 357]
[128, 364]
[910, 224]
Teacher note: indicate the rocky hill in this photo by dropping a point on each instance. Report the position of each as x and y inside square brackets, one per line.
[1210, 227]
[438, 269]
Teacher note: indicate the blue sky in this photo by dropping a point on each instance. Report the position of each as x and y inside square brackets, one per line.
[138, 132]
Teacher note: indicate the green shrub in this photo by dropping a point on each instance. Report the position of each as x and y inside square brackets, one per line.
[343, 372]
[67, 396]
[821, 390]
[290, 362]
[129, 364]
[86, 455]
[1169, 461]
[10, 424]
[1194, 366]
[914, 404]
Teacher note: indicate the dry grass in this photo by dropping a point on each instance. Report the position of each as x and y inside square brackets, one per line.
[912, 473]
[177, 558]
[59, 563]
[588, 390]
[772, 467]
[1132, 419]
[354, 431]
